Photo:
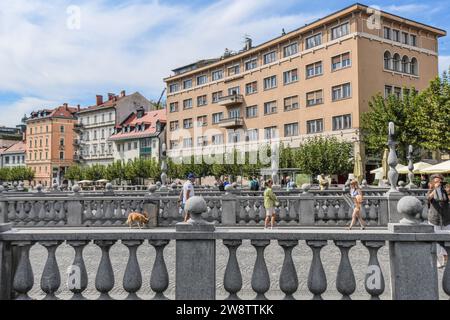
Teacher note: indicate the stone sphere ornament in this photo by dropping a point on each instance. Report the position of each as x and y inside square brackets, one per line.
[409, 207]
[76, 188]
[306, 187]
[152, 188]
[195, 206]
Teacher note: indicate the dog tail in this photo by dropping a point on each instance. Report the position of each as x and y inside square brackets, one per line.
[128, 219]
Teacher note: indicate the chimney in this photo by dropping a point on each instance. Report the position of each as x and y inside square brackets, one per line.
[65, 105]
[140, 112]
[122, 93]
[248, 43]
[111, 96]
[78, 108]
[99, 99]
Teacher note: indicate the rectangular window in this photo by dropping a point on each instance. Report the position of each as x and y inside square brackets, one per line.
[291, 129]
[270, 57]
[396, 35]
[413, 40]
[234, 91]
[61, 129]
[61, 156]
[398, 92]
[234, 113]
[187, 104]
[202, 141]
[217, 75]
[270, 107]
[342, 122]
[216, 96]
[187, 143]
[173, 107]
[290, 50]
[314, 69]
[217, 139]
[270, 82]
[341, 61]
[201, 80]
[174, 144]
[291, 103]
[405, 38]
[387, 91]
[341, 92]
[314, 126]
[270, 133]
[290, 76]
[314, 98]
[252, 135]
[251, 88]
[387, 33]
[187, 123]
[217, 117]
[340, 31]
[251, 112]
[234, 136]
[251, 64]
[202, 101]
[187, 84]
[234, 70]
[202, 121]
[173, 88]
[314, 41]
[174, 126]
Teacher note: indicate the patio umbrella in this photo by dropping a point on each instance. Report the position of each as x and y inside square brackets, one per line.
[384, 164]
[358, 169]
[85, 181]
[102, 181]
[418, 167]
[380, 170]
[442, 168]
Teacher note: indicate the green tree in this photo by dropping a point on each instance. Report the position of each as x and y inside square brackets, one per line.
[324, 155]
[95, 172]
[74, 173]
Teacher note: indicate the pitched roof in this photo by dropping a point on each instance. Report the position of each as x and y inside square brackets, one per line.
[111, 103]
[59, 112]
[149, 119]
[18, 147]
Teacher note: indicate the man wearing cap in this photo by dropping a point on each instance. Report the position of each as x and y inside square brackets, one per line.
[186, 193]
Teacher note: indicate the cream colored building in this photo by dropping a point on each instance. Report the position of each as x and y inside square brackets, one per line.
[317, 79]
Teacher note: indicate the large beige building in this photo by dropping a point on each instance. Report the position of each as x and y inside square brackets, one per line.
[317, 79]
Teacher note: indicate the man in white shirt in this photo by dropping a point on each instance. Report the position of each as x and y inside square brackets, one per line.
[186, 193]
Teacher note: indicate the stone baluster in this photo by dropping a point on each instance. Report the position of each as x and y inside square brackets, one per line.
[392, 159]
[345, 281]
[104, 280]
[260, 276]
[132, 279]
[410, 158]
[374, 280]
[23, 278]
[288, 276]
[317, 279]
[446, 276]
[159, 280]
[77, 278]
[51, 279]
[232, 280]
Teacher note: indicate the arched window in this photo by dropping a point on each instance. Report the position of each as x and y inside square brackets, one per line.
[414, 68]
[387, 60]
[396, 66]
[405, 64]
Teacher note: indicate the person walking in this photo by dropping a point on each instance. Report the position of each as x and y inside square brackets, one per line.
[187, 192]
[220, 184]
[290, 185]
[270, 202]
[357, 197]
[226, 182]
[438, 213]
[254, 184]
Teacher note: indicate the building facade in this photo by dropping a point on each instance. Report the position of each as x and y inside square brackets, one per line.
[316, 80]
[96, 125]
[13, 156]
[50, 143]
[140, 136]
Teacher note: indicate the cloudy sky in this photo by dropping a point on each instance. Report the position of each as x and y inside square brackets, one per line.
[59, 51]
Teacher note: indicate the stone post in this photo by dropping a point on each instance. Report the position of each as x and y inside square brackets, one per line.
[75, 208]
[151, 206]
[229, 204]
[411, 184]
[3, 206]
[195, 255]
[306, 207]
[6, 263]
[392, 159]
[383, 218]
[392, 201]
[413, 263]
[109, 190]
[163, 187]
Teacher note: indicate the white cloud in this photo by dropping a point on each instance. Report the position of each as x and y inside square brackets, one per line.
[444, 64]
[11, 114]
[131, 46]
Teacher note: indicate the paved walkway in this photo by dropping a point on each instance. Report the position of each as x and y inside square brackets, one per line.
[246, 256]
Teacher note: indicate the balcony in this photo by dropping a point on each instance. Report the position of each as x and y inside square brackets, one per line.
[78, 127]
[78, 158]
[231, 123]
[231, 100]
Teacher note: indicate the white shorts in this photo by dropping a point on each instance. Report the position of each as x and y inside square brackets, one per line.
[270, 212]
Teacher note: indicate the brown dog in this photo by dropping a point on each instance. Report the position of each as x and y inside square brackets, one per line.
[136, 217]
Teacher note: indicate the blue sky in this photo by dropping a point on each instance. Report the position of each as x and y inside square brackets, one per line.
[48, 56]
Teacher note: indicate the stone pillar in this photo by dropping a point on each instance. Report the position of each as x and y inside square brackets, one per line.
[392, 159]
[3, 206]
[195, 255]
[306, 207]
[383, 218]
[151, 206]
[411, 184]
[229, 204]
[392, 201]
[6, 263]
[413, 263]
[75, 208]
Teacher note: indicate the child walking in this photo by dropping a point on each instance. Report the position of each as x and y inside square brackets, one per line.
[270, 201]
